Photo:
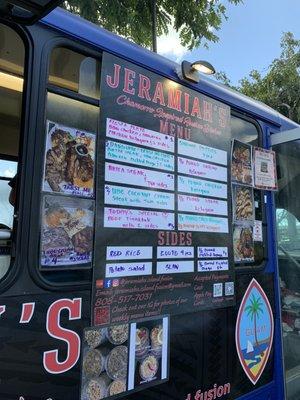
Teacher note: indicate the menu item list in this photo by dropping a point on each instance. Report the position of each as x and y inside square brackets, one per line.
[165, 195]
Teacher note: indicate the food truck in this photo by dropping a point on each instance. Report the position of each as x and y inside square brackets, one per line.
[150, 246]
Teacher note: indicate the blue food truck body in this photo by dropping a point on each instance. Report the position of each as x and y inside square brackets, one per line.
[51, 296]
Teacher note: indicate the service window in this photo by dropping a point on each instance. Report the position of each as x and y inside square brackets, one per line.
[249, 243]
[12, 54]
[68, 186]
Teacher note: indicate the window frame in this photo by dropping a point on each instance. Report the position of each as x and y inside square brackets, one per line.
[248, 268]
[16, 266]
[39, 276]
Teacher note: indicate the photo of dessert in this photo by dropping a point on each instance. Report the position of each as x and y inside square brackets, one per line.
[241, 163]
[148, 368]
[156, 337]
[104, 361]
[67, 232]
[69, 161]
[141, 342]
[243, 244]
[243, 203]
[151, 352]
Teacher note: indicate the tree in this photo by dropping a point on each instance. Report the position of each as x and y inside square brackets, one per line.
[280, 87]
[253, 310]
[195, 20]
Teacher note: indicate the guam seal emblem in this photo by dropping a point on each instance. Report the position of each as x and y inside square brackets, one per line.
[254, 331]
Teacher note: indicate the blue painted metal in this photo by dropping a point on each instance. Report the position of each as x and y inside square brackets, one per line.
[77, 28]
[100, 39]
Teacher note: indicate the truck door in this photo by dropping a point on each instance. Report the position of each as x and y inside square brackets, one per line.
[287, 200]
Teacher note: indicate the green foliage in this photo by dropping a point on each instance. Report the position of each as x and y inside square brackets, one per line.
[195, 20]
[280, 87]
[254, 308]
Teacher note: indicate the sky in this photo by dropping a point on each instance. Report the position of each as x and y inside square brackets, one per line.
[248, 39]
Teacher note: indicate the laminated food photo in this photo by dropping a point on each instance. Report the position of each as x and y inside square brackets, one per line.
[104, 362]
[241, 163]
[67, 232]
[69, 161]
[243, 243]
[243, 203]
[150, 349]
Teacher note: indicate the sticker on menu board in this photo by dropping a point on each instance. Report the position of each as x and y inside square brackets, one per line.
[243, 203]
[241, 163]
[243, 244]
[67, 232]
[69, 161]
[265, 176]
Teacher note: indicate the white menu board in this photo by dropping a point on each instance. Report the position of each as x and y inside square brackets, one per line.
[202, 223]
[118, 173]
[128, 269]
[175, 267]
[212, 265]
[137, 155]
[201, 170]
[202, 205]
[137, 135]
[201, 187]
[128, 196]
[138, 219]
[197, 150]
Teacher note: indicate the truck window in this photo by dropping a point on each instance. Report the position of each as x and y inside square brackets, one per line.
[68, 187]
[12, 54]
[247, 131]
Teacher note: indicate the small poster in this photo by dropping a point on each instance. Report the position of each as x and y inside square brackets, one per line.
[241, 163]
[243, 203]
[69, 161]
[257, 231]
[124, 358]
[243, 243]
[265, 169]
[67, 232]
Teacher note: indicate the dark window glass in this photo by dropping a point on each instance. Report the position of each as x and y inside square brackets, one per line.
[74, 71]
[12, 55]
